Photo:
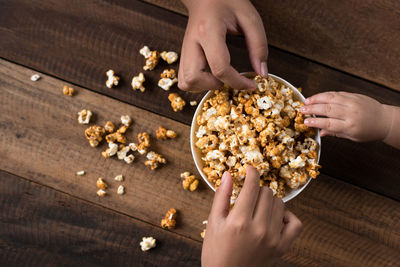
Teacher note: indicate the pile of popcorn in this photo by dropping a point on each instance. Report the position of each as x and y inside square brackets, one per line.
[264, 129]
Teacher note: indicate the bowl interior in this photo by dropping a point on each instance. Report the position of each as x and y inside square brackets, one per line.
[196, 153]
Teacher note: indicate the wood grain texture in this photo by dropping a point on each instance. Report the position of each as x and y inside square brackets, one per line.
[40, 226]
[41, 141]
[359, 37]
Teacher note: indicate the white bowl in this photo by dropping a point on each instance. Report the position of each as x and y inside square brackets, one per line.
[291, 193]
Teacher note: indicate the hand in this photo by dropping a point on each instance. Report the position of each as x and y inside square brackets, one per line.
[256, 232]
[352, 116]
[204, 42]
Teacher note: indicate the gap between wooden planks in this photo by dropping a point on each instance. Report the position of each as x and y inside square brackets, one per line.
[42, 141]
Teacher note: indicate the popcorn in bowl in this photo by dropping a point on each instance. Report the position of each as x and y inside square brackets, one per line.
[234, 129]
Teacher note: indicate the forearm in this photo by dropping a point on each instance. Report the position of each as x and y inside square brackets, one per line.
[393, 136]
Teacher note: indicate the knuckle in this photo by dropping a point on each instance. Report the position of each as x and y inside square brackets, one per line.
[328, 109]
[202, 27]
[239, 225]
[219, 70]
[297, 225]
[273, 242]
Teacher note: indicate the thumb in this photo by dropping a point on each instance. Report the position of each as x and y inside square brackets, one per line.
[256, 40]
[221, 203]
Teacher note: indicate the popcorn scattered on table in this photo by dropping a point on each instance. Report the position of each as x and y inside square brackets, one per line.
[123, 150]
[69, 91]
[203, 233]
[168, 78]
[121, 190]
[189, 181]
[193, 103]
[145, 51]
[129, 159]
[109, 127]
[151, 57]
[126, 120]
[163, 133]
[35, 77]
[137, 82]
[111, 150]
[169, 221]
[169, 57]
[119, 178]
[112, 79]
[84, 116]
[80, 173]
[95, 135]
[101, 193]
[154, 160]
[177, 102]
[147, 243]
[101, 184]
[144, 143]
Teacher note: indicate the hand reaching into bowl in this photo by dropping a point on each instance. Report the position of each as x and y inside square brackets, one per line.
[204, 44]
[354, 116]
[256, 232]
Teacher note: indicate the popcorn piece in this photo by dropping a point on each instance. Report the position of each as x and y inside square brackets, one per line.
[170, 74]
[129, 159]
[169, 221]
[123, 150]
[121, 190]
[170, 56]
[84, 116]
[145, 51]
[119, 178]
[163, 133]
[177, 103]
[112, 79]
[190, 182]
[95, 135]
[144, 143]
[69, 91]
[35, 77]
[101, 193]
[193, 103]
[168, 78]
[109, 127]
[152, 61]
[137, 82]
[111, 150]
[203, 233]
[154, 160]
[116, 137]
[80, 173]
[101, 184]
[147, 243]
[126, 120]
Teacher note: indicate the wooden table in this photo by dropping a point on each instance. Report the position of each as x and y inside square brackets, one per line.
[50, 216]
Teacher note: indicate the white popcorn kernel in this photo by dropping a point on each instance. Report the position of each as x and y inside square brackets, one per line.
[147, 243]
[137, 82]
[264, 102]
[169, 57]
[119, 178]
[166, 83]
[122, 153]
[299, 162]
[205, 222]
[252, 155]
[231, 161]
[210, 112]
[214, 154]
[80, 173]
[112, 79]
[129, 159]
[145, 51]
[193, 103]
[113, 149]
[126, 120]
[273, 186]
[84, 116]
[121, 190]
[101, 193]
[35, 77]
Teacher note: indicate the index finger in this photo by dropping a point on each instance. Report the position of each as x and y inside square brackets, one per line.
[218, 58]
[327, 98]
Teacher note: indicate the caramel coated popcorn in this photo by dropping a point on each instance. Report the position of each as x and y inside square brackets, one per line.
[163, 133]
[189, 181]
[84, 116]
[169, 57]
[264, 129]
[101, 184]
[168, 78]
[152, 61]
[177, 102]
[109, 127]
[137, 82]
[144, 143]
[95, 135]
[154, 160]
[112, 79]
[169, 221]
[69, 91]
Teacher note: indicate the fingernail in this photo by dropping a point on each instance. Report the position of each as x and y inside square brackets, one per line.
[264, 69]
[303, 109]
[223, 179]
[307, 121]
[308, 101]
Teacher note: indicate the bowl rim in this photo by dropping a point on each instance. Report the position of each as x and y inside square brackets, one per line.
[193, 148]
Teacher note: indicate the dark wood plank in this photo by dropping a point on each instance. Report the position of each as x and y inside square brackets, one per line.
[40, 226]
[359, 37]
[42, 142]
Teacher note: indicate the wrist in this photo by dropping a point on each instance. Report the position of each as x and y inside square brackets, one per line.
[388, 115]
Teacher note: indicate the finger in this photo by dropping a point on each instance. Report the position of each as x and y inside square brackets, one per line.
[329, 110]
[221, 203]
[262, 212]
[291, 229]
[256, 40]
[218, 58]
[191, 75]
[332, 125]
[247, 199]
[327, 98]
[328, 133]
[276, 220]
